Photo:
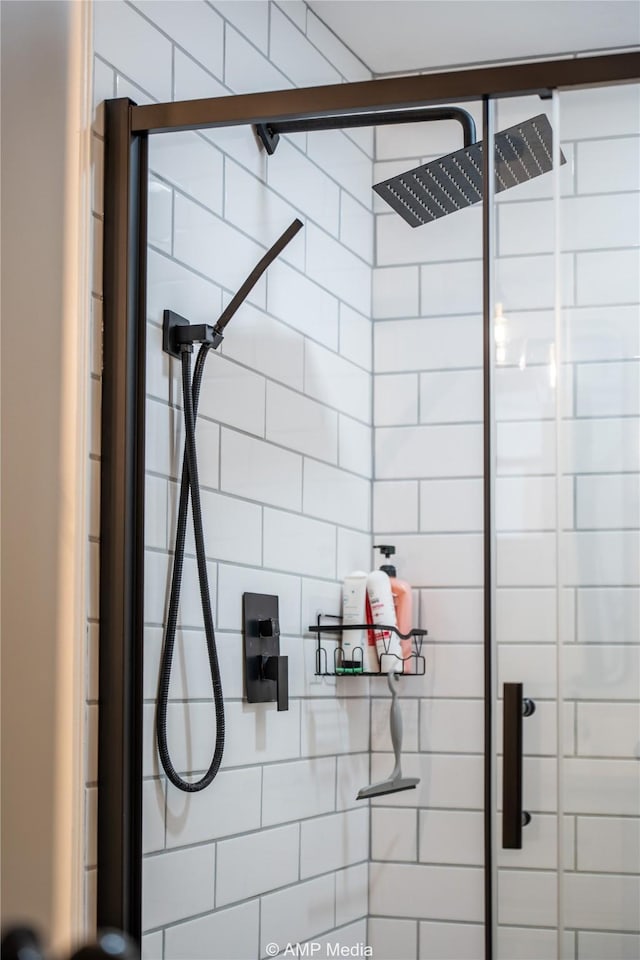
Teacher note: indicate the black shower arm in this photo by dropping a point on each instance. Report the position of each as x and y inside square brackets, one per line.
[269, 133]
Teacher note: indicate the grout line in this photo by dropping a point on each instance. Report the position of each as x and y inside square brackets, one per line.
[223, 214]
[523, 312]
[269, 30]
[339, 39]
[444, 68]
[259, 921]
[224, 49]
[173, 221]
[173, 70]
[468, 923]
[570, 255]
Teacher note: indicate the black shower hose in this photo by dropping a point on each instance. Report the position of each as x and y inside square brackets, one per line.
[189, 482]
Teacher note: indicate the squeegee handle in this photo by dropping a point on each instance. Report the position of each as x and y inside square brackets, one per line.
[395, 723]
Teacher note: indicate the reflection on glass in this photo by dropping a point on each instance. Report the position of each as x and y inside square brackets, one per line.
[501, 335]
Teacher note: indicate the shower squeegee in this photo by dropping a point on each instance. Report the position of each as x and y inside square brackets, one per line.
[395, 781]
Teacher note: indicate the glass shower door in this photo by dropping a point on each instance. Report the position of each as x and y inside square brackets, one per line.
[566, 324]
[600, 548]
[527, 598]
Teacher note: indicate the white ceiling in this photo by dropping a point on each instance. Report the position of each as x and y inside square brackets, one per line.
[398, 36]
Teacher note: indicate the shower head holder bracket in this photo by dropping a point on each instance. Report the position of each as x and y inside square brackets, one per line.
[178, 334]
[268, 137]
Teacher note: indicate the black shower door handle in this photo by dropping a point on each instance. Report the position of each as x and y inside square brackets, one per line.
[515, 708]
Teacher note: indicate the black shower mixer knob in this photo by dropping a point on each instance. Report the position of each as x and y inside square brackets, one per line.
[269, 628]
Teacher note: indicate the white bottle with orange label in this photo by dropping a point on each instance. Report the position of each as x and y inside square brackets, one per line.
[383, 612]
[402, 602]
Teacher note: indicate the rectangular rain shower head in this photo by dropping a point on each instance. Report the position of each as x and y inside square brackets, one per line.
[454, 182]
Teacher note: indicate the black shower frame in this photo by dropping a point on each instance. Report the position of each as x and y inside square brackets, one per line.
[127, 126]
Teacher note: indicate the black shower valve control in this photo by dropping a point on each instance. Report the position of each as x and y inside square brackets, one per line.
[277, 670]
[266, 672]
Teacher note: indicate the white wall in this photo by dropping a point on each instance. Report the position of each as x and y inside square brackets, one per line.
[44, 304]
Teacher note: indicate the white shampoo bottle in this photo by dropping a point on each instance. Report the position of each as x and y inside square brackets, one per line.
[383, 612]
[354, 642]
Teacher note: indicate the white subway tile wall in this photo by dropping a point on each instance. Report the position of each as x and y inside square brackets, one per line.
[319, 428]
[427, 305]
[284, 432]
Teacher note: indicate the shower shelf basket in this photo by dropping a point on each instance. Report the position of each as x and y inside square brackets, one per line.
[413, 665]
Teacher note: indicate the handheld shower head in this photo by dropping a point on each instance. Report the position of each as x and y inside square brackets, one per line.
[177, 331]
[246, 288]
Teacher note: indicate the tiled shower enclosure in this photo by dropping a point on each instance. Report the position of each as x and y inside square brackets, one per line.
[344, 409]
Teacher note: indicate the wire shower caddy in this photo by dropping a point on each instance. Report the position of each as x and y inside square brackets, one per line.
[413, 665]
